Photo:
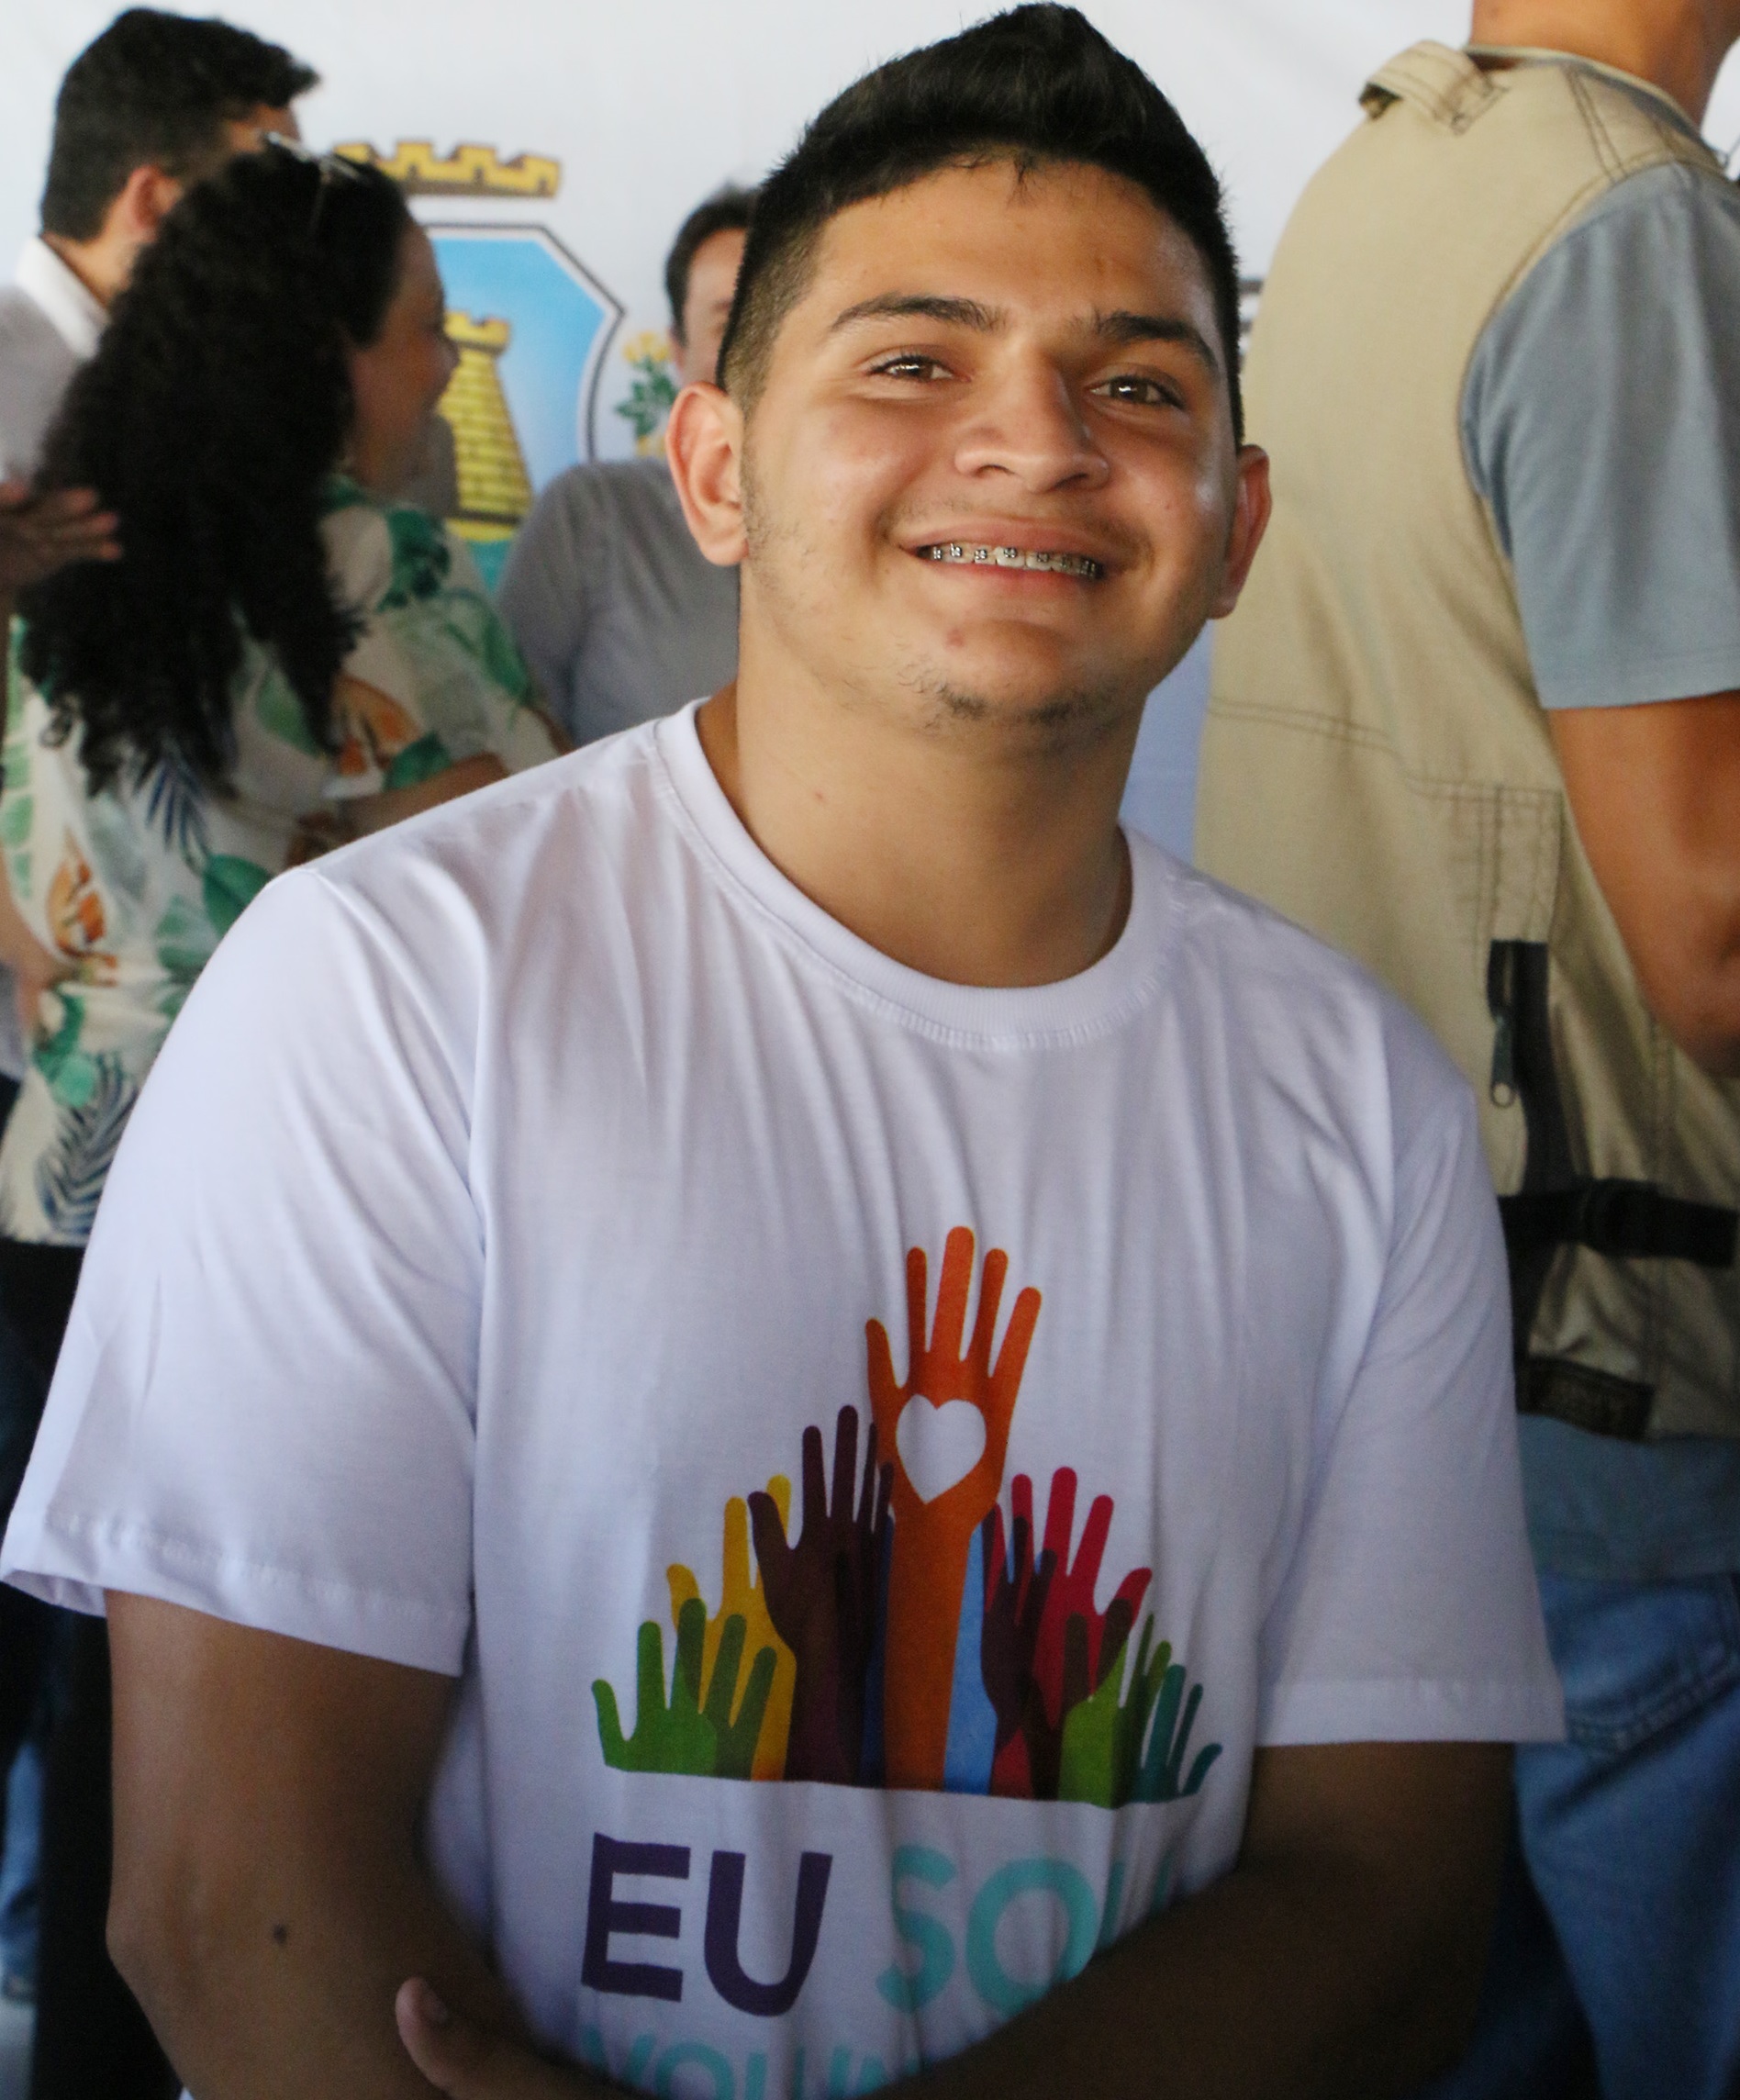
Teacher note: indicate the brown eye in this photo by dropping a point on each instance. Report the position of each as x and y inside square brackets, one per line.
[1139, 391]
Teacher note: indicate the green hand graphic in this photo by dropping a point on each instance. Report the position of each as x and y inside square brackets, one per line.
[1160, 1779]
[736, 1739]
[1103, 1736]
[686, 1735]
[677, 1737]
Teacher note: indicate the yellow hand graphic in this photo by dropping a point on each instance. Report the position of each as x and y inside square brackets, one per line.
[742, 1596]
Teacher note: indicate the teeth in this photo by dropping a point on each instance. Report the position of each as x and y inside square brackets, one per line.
[1015, 558]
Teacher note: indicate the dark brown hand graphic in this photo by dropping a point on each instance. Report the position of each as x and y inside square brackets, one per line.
[1015, 1595]
[821, 1597]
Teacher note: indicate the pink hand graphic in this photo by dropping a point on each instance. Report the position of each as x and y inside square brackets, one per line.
[933, 1538]
[1072, 1589]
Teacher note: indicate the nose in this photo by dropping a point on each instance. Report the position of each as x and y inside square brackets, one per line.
[1027, 423]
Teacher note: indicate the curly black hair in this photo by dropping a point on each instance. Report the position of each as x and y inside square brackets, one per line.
[217, 404]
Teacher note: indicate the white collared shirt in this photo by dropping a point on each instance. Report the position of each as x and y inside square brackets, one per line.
[77, 314]
[49, 324]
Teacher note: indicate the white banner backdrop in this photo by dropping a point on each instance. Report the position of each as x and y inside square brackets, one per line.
[598, 127]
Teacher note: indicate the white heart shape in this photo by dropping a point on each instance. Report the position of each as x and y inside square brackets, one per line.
[939, 1447]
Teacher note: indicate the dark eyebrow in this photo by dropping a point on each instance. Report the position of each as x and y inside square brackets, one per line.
[895, 306]
[1123, 327]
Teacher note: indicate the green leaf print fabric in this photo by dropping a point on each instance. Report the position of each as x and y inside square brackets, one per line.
[134, 889]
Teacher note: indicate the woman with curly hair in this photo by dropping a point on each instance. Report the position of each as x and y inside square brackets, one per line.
[281, 659]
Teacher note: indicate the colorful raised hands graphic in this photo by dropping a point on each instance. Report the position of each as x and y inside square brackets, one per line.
[685, 1734]
[948, 1470]
[742, 1596]
[868, 1664]
[822, 1594]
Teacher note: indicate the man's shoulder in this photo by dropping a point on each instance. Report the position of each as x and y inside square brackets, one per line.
[1290, 1000]
[553, 835]
[1675, 191]
[609, 486]
[26, 331]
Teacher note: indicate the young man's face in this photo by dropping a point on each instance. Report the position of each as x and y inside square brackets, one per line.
[991, 473]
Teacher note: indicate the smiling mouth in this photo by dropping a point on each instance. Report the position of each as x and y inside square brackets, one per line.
[964, 554]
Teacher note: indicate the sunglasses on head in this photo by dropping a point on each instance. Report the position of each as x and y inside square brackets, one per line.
[335, 169]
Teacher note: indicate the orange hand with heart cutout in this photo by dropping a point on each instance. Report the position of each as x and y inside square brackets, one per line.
[948, 1458]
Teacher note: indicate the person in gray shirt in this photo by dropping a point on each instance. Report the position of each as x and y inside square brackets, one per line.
[614, 608]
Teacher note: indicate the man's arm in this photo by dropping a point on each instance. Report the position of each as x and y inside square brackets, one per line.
[34, 967]
[271, 1899]
[1655, 794]
[269, 1892]
[1342, 1955]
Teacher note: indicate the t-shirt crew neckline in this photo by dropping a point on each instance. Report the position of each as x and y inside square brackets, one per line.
[1093, 1002]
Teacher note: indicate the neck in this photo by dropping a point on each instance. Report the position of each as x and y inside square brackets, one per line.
[91, 263]
[970, 863]
[1675, 45]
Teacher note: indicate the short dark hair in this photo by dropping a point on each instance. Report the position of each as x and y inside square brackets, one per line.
[1037, 85]
[728, 211]
[154, 89]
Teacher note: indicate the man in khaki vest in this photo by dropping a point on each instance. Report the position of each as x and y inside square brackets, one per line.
[1477, 721]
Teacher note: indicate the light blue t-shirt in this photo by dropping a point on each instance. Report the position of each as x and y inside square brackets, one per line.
[1601, 421]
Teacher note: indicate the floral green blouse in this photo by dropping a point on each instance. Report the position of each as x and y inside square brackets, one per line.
[135, 887]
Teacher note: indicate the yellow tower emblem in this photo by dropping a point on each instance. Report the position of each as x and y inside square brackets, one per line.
[494, 489]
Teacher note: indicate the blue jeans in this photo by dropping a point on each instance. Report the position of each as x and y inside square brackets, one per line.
[19, 1874]
[1630, 1834]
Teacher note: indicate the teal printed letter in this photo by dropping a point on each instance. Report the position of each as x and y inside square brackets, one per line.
[910, 1992]
[1001, 1992]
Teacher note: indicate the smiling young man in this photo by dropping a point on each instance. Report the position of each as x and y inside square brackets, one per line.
[768, 1414]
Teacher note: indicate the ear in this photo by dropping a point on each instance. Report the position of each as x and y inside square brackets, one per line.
[1250, 520]
[704, 443]
[146, 198]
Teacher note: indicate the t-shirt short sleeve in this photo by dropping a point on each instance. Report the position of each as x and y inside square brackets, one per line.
[1600, 422]
[265, 1406]
[1413, 1548]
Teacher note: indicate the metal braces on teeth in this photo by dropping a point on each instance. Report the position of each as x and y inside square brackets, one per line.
[1015, 558]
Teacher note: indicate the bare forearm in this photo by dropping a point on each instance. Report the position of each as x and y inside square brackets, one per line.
[1283, 1981]
[270, 1895]
[20, 951]
[276, 1988]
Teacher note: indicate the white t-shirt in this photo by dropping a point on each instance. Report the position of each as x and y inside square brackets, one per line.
[521, 1191]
